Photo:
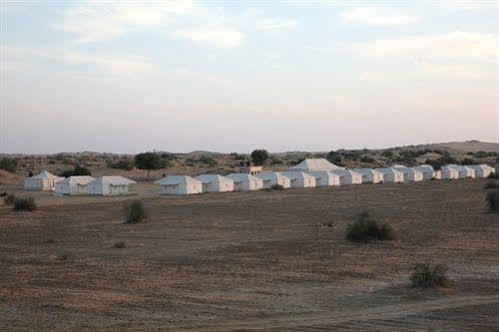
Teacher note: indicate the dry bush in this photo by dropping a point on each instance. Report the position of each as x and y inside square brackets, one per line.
[135, 212]
[492, 199]
[25, 204]
[492, 185]
[425, 275]
[9, 199]
[365, 229]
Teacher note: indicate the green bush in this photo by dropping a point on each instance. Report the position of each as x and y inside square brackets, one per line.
[8, 164]
[124, 164]
[259, 157]
[365, 229]
[77, 170]
[492, 199]
[25, 204]
[208, 161]
[135, 212]
[9, 199]
[425, 275]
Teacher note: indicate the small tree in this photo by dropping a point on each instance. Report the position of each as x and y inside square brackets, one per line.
[335, 158]
[134, 212]
[149, 161]
[259, 157]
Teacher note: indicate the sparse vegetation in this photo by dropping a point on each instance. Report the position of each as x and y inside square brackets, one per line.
[492, 199]
[25, 204]
[135, 212]
[8, 164]
[119, 245]
[76, 171]
[387, 154]
[208, 161]
[335, 158]
[425, 275]
[123, 164]
[492, 185]
[365, 229]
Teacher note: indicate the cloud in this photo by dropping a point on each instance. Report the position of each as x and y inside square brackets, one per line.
[275, 23]
[377, 17]
[218, 36]
[122, 64]
[455, 45]
[99, 21]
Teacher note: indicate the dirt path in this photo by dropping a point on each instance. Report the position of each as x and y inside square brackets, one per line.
[332, 318]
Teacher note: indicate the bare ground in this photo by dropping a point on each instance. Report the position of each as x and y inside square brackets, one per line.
[243, 261]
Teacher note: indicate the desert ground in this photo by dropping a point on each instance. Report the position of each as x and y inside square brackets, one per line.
[267, 260]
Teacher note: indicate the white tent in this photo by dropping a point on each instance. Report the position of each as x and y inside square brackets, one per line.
[245, 182]
[325, 178]
[300, 179]
[44, 181]
[427, 170]
[273, 179]
[369, 175]
[410, 174]
[179, 185]
[464, 172]
[483, 170]
[449, 172]
[215, 183]
[313, 165]
[109, 186]
[349, 177]
[391, 175]
[73, 185]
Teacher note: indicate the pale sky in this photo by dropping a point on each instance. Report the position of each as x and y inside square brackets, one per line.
[127, 76]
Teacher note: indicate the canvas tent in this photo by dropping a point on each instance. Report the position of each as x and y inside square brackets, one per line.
[73, 185]
[179, 185]
[427, 170]
[369, 175]
[313, 165]
[245, 182]
[464, 172]
[300, 179]
[109, 186]
[274, 179]
[391, 175]
[410, 174]
[449, 172]
[215, 183]
[349, 177]
[482, 170]
[325, 178]
[44, 181]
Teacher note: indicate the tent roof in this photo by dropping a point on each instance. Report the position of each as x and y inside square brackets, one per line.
[346, 171]
[114, 180]
[297, 175]
[424, 168]
[270, 176]
[177, 179]
[80, 179]
[318, 164]
[207, 178]
[46, 175]
[366, 171]
[242, 177]
[323, 173]
[387, 170]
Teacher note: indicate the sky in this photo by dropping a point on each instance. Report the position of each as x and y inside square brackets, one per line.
[231, 76]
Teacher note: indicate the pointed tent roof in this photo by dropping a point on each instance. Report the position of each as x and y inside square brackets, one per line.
[114, 180]
[177, 179]
[319, 164]
[46, 175]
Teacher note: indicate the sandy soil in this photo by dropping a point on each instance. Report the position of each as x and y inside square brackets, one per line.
[262, 260]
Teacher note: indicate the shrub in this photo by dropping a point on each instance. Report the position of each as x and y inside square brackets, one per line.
[335, 158]
[119, 245]
[77, 170]
[124, 164]
[277, 187]
[387, 153]
[367, 159]
[9, 199]
[135, 212]
[492, 185]
[208, 161]
[259, 157]
[492, 199]
[365, 228]
[8, 164]
[25, 204]
[494, 175]
[425, 275]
